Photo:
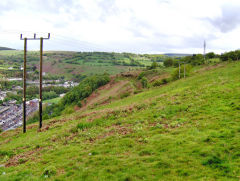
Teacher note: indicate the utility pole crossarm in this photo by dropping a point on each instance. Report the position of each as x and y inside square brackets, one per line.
[35, 38]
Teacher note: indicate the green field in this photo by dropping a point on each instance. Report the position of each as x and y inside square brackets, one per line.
[69, 64]
[185, 130]
[55, 100]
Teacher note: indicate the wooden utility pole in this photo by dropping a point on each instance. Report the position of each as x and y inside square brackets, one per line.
[204, 51]
[184, 69]
[179, 72]
[40, 79]
[40, 83]
[24, 84]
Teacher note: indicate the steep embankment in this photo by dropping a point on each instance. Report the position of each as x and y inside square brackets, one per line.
[186, 130]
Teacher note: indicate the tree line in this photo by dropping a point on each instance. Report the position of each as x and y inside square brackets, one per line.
[199, 59]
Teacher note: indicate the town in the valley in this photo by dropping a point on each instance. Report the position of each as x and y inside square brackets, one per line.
[11, 112]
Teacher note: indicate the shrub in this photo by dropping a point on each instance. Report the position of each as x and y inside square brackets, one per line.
[160, 82]
[137, 91]
[79, 104]
[144, 82]
[141, 75]
[49, 95]
[154, 65]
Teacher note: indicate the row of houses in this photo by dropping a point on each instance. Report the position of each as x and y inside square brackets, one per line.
[47, 83]
[11, 116]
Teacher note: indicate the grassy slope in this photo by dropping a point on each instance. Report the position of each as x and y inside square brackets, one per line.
[187, 130]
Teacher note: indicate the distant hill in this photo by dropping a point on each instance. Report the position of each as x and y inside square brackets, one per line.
[177, 54]
[6, 48]
[72, 64]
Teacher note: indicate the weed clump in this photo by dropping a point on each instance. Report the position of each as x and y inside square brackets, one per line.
[83, 126]
[22, 160]
[49, 171]
[6, 153]
[216, 163]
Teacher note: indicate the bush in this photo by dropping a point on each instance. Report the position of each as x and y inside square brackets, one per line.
[144, 82]
[49, 95]
[154, 65]
[79, 104]
[141, 75]
[160, 82]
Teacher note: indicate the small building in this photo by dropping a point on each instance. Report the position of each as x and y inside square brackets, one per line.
[62, 95]
[12, 102]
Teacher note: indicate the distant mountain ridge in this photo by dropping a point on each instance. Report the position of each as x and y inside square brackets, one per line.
[6, 48]
[177, 54]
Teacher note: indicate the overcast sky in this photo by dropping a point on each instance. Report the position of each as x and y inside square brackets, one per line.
[141, 26]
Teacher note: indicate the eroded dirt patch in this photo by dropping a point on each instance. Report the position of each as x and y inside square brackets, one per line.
[23, 157]
[113, 130]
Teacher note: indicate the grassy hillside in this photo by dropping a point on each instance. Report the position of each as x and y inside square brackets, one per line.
[185, 130]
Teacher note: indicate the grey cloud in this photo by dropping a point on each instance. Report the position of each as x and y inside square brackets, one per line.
[137, 25]
[229, 19]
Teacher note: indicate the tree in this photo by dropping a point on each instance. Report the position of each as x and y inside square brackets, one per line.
[210, 55]
[224, 57]
[34, 68]
[168, 62]
[154, 65]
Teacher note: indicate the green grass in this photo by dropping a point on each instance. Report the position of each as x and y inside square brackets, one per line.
[55, 100]
[186, 130]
